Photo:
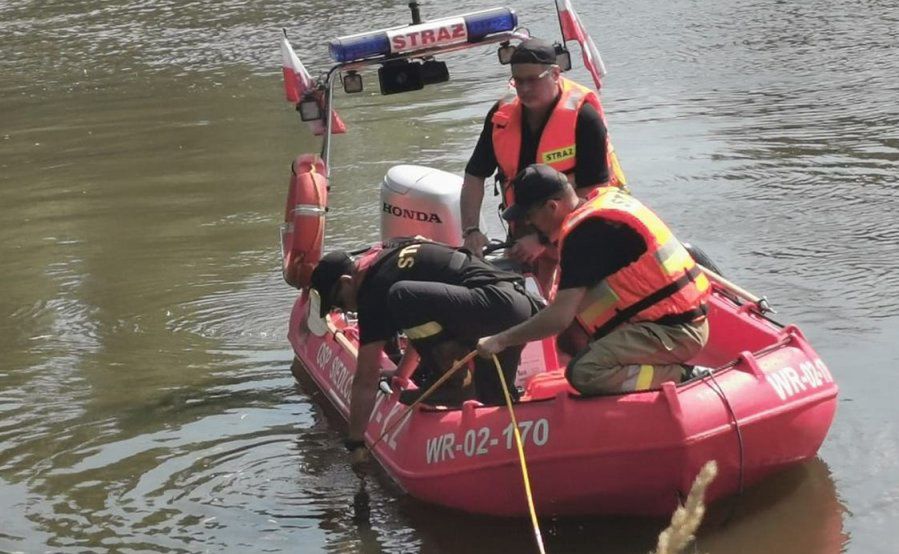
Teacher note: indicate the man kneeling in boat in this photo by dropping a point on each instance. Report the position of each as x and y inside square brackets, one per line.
[443, 298]
[624, 276]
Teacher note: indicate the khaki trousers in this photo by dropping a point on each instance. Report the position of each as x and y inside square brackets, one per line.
[636, 356]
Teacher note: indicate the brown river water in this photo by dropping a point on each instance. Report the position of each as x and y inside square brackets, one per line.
[146, 402]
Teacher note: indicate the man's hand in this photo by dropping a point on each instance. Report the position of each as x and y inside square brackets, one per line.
[527, 249]
[360, 462]
[489, 346]
[475, 242]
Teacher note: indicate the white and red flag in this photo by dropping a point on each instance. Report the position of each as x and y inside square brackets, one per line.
[297, 82]
[573, 29]
[296, 79]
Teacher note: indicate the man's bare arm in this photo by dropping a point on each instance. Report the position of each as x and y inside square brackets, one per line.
[365, 387]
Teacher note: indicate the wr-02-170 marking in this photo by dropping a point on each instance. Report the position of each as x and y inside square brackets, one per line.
[788, 382]
[478, 442]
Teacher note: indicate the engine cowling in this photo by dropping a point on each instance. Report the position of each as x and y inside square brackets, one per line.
[418, 200]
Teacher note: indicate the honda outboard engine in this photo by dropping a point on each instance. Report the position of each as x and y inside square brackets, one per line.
[417, 200]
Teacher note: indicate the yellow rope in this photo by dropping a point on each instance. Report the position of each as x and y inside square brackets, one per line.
[538, 537]
[423, 396]
[524, 467]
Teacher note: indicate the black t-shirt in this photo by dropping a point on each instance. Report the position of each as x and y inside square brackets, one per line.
[595, 249]
[589, 136]
[416, 262]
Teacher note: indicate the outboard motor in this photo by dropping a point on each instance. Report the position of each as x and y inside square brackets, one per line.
[417, 200]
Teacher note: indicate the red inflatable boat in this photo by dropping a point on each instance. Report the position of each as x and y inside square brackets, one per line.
[762, 398]
[767, 404]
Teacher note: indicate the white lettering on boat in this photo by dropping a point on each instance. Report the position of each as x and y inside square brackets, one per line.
[482, 441]
[341, 377]
[440, 448]
[376, 409]
[323, 355]
[788, 382]
[337, 372]
[389, 421]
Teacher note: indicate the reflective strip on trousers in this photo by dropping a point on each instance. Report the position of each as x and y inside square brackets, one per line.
[639, 377]
[423, 331]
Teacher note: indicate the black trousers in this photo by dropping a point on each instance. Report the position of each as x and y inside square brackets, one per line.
[465, 315]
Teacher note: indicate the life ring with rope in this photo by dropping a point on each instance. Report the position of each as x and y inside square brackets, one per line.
[303, 231]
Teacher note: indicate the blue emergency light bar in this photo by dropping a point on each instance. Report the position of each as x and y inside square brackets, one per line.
[470, 27]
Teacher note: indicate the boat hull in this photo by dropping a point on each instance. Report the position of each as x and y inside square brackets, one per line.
[769, 407]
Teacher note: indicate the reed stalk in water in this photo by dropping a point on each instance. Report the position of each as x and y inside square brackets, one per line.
[686, 519]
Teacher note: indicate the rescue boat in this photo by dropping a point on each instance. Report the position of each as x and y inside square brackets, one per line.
[760, 400]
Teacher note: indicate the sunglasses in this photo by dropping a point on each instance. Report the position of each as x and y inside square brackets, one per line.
[528, 81]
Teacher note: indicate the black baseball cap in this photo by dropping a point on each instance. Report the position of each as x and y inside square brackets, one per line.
[327, 273]
[534, 50]
[532, 186]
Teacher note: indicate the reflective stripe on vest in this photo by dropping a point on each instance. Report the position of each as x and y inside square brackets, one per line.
[556, 146]
[664, 283]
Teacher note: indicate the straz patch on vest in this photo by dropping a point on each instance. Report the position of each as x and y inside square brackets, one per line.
[560, 155]
[428, 35]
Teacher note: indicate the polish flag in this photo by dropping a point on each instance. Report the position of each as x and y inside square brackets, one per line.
[297, 81]
[573, 29]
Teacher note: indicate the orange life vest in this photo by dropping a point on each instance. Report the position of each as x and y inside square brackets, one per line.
[664, 284]
[556, 146]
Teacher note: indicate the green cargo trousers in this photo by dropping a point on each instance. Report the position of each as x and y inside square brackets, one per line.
[636, 356]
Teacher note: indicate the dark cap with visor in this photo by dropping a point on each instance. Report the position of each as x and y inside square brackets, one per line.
[534, 50]
[534, 185]
[327, 273]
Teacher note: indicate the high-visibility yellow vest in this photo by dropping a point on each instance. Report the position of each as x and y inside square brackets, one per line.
[557, 146]
[663, 284]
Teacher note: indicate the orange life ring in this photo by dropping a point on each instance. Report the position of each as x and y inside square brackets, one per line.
[303, 231]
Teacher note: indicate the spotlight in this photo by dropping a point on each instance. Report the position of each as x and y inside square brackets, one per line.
[504, 53]
[433, 72]
[352, 82]
[563, 57]
[400, 76]
[309, 109]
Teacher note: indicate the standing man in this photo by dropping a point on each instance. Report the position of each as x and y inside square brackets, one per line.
[444, 299]
[624, 276]
[549, 120]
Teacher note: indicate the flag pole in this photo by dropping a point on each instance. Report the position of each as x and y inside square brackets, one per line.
[561, 26]
[326, 141]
